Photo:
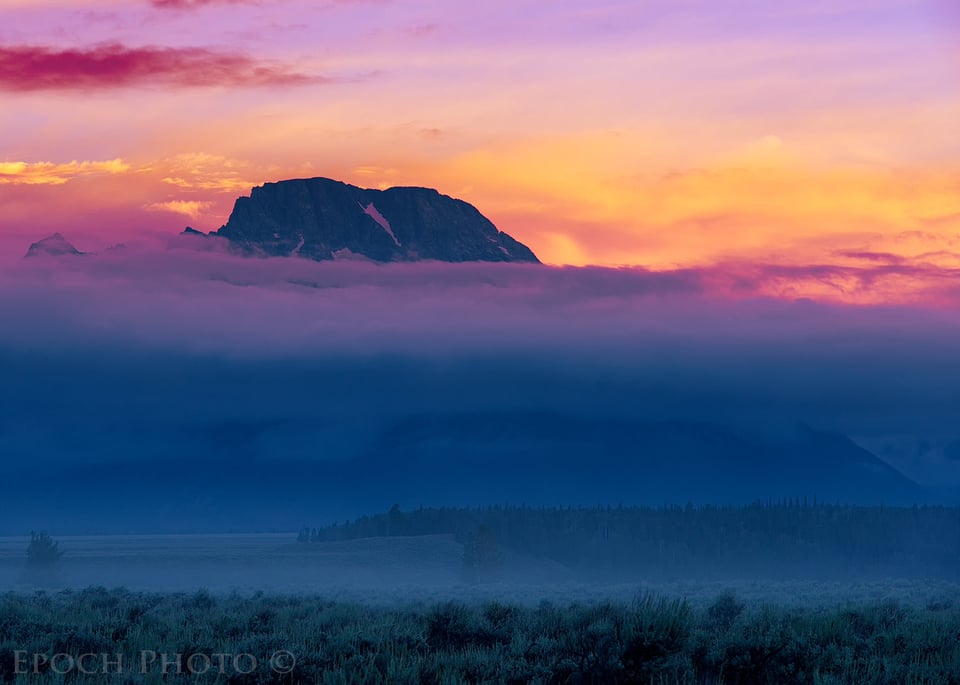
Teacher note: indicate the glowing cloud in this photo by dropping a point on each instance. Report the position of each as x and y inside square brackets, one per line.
[202, 171]
[190, 208]
[50, 173]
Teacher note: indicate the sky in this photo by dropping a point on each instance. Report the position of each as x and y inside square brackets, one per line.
[816, 141]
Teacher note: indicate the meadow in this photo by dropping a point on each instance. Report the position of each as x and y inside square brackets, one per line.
[206, 638]
[785, 593]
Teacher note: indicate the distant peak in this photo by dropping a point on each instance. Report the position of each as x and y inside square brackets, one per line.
[53, 246]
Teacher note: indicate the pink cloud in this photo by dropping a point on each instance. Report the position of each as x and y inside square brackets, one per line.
[195, 4]
[870, 256]
[191, 4]
[113, 65]
[883, 279]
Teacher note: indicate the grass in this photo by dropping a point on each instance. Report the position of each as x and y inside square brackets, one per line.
[650, 640]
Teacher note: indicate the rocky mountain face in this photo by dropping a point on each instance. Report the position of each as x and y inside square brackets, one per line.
[321, 219]
[54, 246]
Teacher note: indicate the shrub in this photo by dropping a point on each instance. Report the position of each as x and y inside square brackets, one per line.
[725, 611]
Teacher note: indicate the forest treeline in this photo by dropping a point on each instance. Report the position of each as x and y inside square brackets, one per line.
[792, 539]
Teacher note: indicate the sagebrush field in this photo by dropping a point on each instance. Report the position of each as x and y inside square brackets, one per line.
[649, 640]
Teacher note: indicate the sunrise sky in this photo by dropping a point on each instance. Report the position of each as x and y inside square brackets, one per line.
[818, 138]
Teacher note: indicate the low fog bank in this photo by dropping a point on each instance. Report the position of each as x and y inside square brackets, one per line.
[181, 391]
[405, 570]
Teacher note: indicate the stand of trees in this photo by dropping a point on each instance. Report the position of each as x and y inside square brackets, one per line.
[43, 551]
[783, 539]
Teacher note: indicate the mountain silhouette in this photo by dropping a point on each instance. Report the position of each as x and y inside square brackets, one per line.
[323, 219]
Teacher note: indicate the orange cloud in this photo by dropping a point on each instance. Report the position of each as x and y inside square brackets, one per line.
[205, 172]
[602, 192]
[51, 173]
[190, 208]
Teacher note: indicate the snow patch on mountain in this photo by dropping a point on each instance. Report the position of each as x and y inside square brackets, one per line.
[374, 214]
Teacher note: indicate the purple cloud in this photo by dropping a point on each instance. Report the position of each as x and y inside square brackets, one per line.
[38, 67]
[193, 4]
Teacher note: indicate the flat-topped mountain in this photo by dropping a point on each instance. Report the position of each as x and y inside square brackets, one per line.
[321, 219]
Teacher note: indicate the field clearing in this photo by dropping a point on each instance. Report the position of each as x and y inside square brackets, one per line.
[387, 570]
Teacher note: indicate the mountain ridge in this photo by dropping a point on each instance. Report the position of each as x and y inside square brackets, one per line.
[238, 479]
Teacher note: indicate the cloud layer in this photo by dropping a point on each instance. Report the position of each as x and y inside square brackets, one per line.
[27, 68]
[208, 302]
[159, 355]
